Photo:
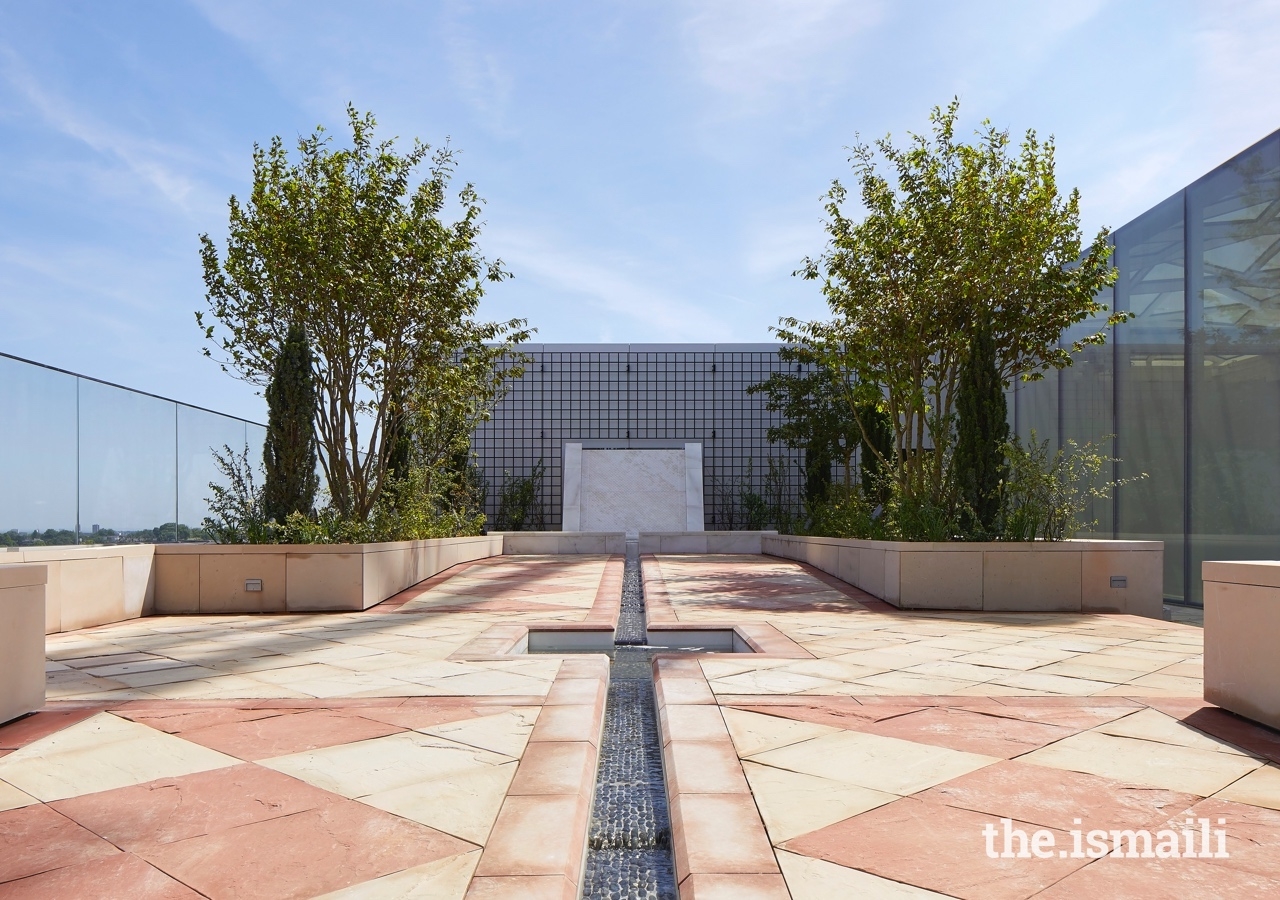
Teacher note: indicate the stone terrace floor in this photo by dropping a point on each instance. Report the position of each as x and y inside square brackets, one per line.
[369, 755]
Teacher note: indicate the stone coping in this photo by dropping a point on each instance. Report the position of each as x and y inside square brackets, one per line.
[23, 576]
[718, 838]
[233, 549]
[75, 551]
[1262, 573]
[538, 843]
[1070, 545]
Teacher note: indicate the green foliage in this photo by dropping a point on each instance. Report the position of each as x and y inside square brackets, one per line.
[1046, 493]
[814, 416]
[352, 245]
[520, 502]
[237, 509]
[412, 508]
[289, 451]
[845, 512]
[978, 465]
[955, 232]
[877, 447]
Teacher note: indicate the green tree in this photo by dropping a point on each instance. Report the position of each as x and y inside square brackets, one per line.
[351, 244]
[982, 430]
[289, 451]
[956, 232]
[815, 418]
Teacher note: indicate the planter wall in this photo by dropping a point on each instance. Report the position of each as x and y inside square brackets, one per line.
[569, 542]
[1241, 635]
[521, 543]
[214, 578]
[1065, 576]
[22, 623]
[90, 585]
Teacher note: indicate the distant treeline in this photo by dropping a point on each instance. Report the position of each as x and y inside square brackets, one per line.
[168, 533]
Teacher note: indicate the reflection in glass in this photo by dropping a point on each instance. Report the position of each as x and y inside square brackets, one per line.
[37, 451]
[128, 471]
[1087, 391]
[1150, 374]
[200, 433]
[1234, 221]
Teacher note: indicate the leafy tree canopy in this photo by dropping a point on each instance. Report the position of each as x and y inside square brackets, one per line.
[954, 231]
[351, 244]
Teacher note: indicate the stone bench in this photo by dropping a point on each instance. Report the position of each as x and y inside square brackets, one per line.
[1242, 638]
[22, 590]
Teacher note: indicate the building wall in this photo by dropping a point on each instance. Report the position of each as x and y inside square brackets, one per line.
[638, 395]
[1193, 379]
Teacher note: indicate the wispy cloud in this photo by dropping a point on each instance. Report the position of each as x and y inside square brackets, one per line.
[637, 307]
[166, 169]
[751, 51]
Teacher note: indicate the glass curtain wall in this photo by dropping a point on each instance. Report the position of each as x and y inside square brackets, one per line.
[1190, 386]
[83, 461]
[1150, 390]
[1233, 221]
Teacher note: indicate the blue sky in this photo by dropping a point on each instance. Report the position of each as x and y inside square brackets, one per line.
[653, 170]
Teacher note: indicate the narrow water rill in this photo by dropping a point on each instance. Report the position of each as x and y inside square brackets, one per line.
[629, 843]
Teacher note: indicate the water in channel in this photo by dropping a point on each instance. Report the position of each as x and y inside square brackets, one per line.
[629, 843]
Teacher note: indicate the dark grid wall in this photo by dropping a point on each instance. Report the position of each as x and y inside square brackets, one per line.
[632, 394]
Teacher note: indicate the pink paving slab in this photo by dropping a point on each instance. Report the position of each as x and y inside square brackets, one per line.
[110, 878]
[969, 731]
[35, 839]
[175, 809]
[1054, 798]
[293, 733]
[935, 847]
[302, 855]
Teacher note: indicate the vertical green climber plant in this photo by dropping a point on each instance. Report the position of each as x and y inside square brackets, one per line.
[289, 452]
[982, 429]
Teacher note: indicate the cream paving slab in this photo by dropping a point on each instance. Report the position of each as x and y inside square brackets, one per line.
[383, 764]
[12, 798]
[1192, 687]
[1053, 684]
[792, 803]
[714, 668]
[1261, 787]
[902, 682]
[831, 669]
[869, 760]
[997, 659]
[464, 804]
[770, 681]
[754, 733]
[489, 684]
[1153, 725]
[957, 671]
[817, 879]
[443, 879]
[506, 733]
[100, 753]
[167, 676]
[1082, 667]
[1186, 769]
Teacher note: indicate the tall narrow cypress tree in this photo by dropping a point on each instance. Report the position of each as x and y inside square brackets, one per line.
[983, 427]
[289, 453]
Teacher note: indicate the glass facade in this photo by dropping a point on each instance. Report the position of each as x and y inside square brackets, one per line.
[1190, 386]
[87, 461]
[632, 394]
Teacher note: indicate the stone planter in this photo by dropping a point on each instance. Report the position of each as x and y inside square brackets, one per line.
[1241, 637]
[22, 593]
[91, 585]
[1064, 576]
[222, 578]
